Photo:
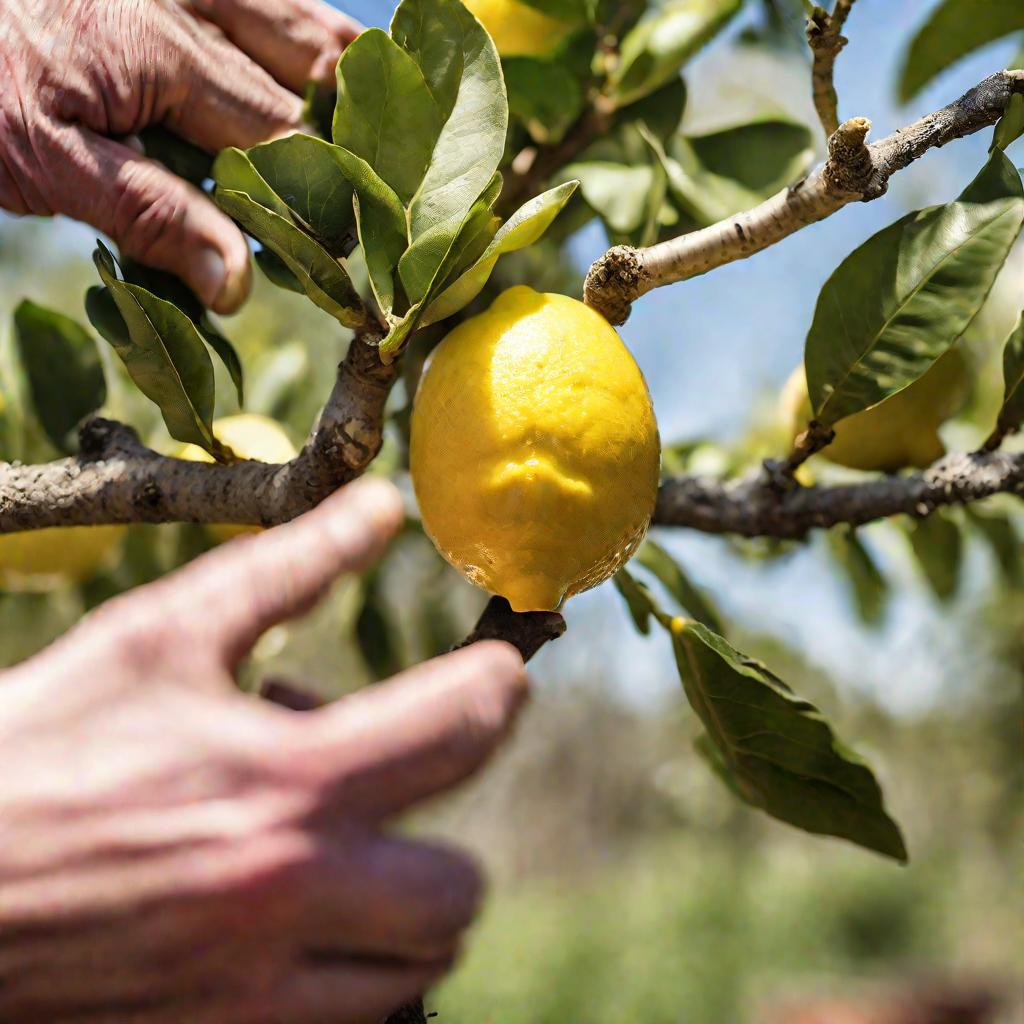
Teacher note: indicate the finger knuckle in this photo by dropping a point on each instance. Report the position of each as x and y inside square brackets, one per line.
[150, 211]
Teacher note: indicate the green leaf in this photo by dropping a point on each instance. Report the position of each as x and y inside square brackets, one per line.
[638, 600]
[655, 50]
[955, 29]
[467, 153]
[543, 95]
[938, 547]
[65, 375]
[303, 171]
[276, 271]
[379, 639]
[174, 290]
[161, 349]
[656, 560]
[323, 278]
[178, 156]
[1011, 124]
[386, 114]
[661, 111]
[619, 193]
[1011, 414]
[869, 587]
[904, 297]
[781, 752]
[522, 229]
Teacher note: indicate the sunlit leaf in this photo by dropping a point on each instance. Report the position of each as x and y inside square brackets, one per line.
[781, 752]
[522, 229]
[386, 114]
[544, 95]
[63, 368]
[1011, 413]
[638, 600]
[161, 349]
[654, 51]
[904, 297]
[954, 29]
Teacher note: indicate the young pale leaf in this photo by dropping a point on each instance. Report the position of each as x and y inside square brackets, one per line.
[781, 752]
[65, 375]
[955, 29]
[386, 113]
[638, 600]
[323, 278]
[894, 305]
[544, 95]
[167, 286]
[161, 349]
[869, 587]
[938, 547]
[656, 560]
[468, 151]
[1011, 414]
[655, 50]
[522, 229]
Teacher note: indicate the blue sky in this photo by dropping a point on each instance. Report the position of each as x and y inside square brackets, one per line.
[712, 347]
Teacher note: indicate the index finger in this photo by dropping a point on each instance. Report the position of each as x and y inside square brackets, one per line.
[227, 599]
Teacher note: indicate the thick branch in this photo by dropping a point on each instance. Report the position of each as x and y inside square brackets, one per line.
[854, 172]
[759, 508]
[824, 35]
[116, 479]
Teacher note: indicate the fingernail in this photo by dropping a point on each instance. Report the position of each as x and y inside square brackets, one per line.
[209, 275]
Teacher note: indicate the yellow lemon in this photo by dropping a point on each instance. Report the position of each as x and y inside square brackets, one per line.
[899, 432]
[534, 449]
[519, 30]
[35, 559]
[250, 437]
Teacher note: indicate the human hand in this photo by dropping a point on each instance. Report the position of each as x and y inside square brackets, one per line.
[171, 850]
[82, 76]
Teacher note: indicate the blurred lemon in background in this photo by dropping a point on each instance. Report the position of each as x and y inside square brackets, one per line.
[899, 432]
[519, 30]
[250, 437]
[535, 451]
[38, 559]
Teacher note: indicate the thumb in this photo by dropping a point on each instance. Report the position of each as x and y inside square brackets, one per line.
[153, 216]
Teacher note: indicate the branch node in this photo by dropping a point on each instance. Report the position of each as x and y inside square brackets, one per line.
[850, 166]
[613, 283]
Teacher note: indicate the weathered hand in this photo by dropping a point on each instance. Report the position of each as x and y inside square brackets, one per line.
[80, 77]
[171, 850]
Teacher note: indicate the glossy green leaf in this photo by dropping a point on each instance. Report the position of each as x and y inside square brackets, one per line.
[386, 114]
[656, 560]
[233, 171]
[618, 192]
[869, 588]
[638, 600]
[954, 29]
[937, 544]
[323, 278]
[174, 290]
[63, 368]
[1011, 125]
[161, 349]
[543, 95]
[900, 300]
[783, 755]
[655, 50]
[522, 229]
[1011, 413]
[468, 151]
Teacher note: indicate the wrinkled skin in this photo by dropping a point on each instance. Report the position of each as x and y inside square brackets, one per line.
[171, 850]
[81, 77]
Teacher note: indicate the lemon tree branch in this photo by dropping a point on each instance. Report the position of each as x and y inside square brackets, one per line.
[764, 506]
[855, 171]
[825, 38]
[116, 479]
